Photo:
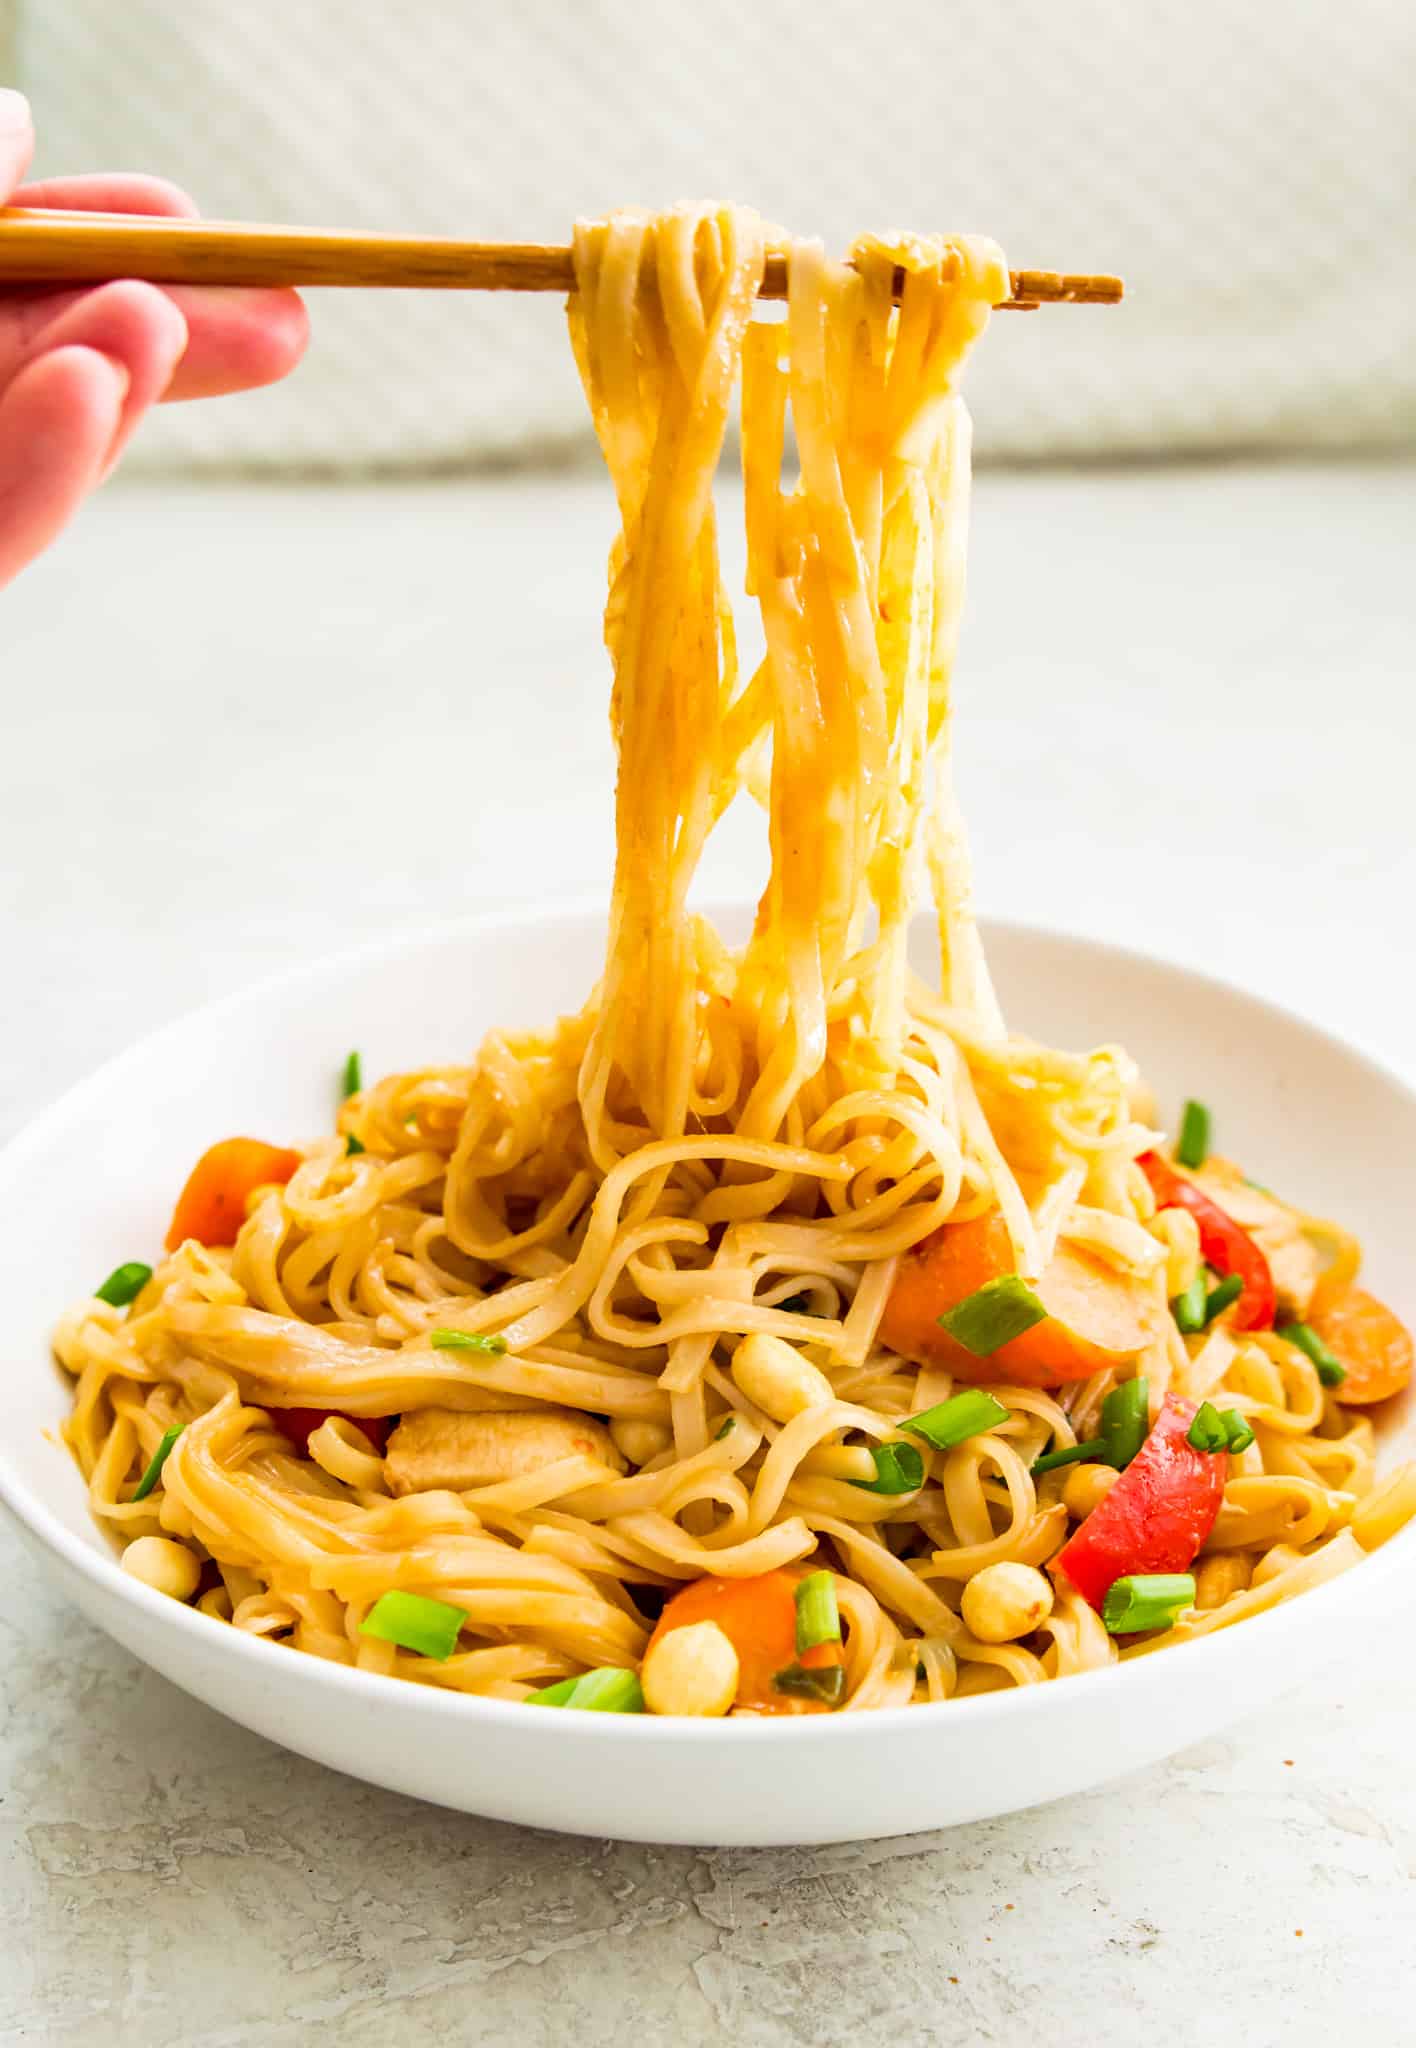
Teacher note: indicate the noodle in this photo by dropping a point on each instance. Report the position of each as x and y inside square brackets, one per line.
[552, 1255]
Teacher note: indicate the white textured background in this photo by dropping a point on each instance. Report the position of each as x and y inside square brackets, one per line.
[1250, 168]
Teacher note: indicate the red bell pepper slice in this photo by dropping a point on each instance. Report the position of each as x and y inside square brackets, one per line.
[1157, 1514]
[1223, 1244]
[300, 1424]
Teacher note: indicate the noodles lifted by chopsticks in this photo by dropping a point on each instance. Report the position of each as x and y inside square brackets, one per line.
[647, 1299]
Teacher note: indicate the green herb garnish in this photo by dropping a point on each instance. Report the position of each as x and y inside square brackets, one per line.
[818, 1619]
[606, 1691]
[1192, 1146]
[467, 1340]
[899, 1468]
[1001, 1310]
[1331, 1370]
[1189, 1308]
[1149, 1600]
[954, 1421]
[156, 1462]
[415, 1623]
[353, 1079]
[827, 1683]
[124, 1284]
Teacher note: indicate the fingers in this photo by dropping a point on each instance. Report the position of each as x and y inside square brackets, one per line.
[16, 140]
[58, 421]
[236, 339]
[135, 325]
[109, 192]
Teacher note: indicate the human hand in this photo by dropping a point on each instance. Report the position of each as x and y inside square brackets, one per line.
[78, 369]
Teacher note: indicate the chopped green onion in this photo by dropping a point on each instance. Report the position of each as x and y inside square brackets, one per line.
[1150, 1600]
[1001, 1310]
[954, 1421]
[415, 1623]
[1207, 1431]
[156, 1462]
[1125, 1421]
[1331, 1370]
[1192, 1146]
[818, 1618]
[352, 1147]
[606, 1691]
[1239, 1433]
[552, 1695]
[1223, 1296]
[1189, 1308]
[468, 1340]
[1259, 1187]
[828, 1683]
[899, 1468]
[353, 1075]
[728, 1423]
[795, 1305]
[124, 1284]
[1073, 1455]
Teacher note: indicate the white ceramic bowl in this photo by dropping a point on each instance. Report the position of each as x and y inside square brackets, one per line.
[91, 1183]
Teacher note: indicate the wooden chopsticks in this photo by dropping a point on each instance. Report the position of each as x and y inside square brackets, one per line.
[38, 246]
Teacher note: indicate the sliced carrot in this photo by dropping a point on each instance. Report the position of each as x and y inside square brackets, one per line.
[1096, 1318]
[1371, 1344]
[212, 1206]
[758, 1617]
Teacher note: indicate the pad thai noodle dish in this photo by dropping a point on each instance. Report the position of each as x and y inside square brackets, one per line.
[779, 1334]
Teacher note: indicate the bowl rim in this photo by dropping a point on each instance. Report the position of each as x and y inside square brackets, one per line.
[101, 1568]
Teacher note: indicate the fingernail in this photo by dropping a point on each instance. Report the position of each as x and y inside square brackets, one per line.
[14, 111]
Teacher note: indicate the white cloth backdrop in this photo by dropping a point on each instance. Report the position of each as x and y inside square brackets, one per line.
[1250, 168]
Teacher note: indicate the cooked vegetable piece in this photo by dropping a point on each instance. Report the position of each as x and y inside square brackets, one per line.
[490, 1345]
[124, 1284]
[825, 1683]
[353, 1079]
[212, 1206]
[1207, 1432]
[1193, 1143]
[300, 1424]
[415, 1623]
[954, 1421]
[1223, 1243]
[1001, 1310]
[1156, 1516]
[759, 1618]
[608, 1690]
[1152, 1600]
[557, 1695]
[818, 1618]
[1096, 1318]
[1372, 1345]
[1331, 1371]
[353, 1147]
[1192, 1307]
[1222, 1297]
[1125, 1418]
[899, 1468]
[1240, 1433]
[153, 1471]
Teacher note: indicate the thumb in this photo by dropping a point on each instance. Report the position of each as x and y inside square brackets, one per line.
[16, 139]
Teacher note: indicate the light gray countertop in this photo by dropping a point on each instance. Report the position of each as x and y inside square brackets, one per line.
[245, 726]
